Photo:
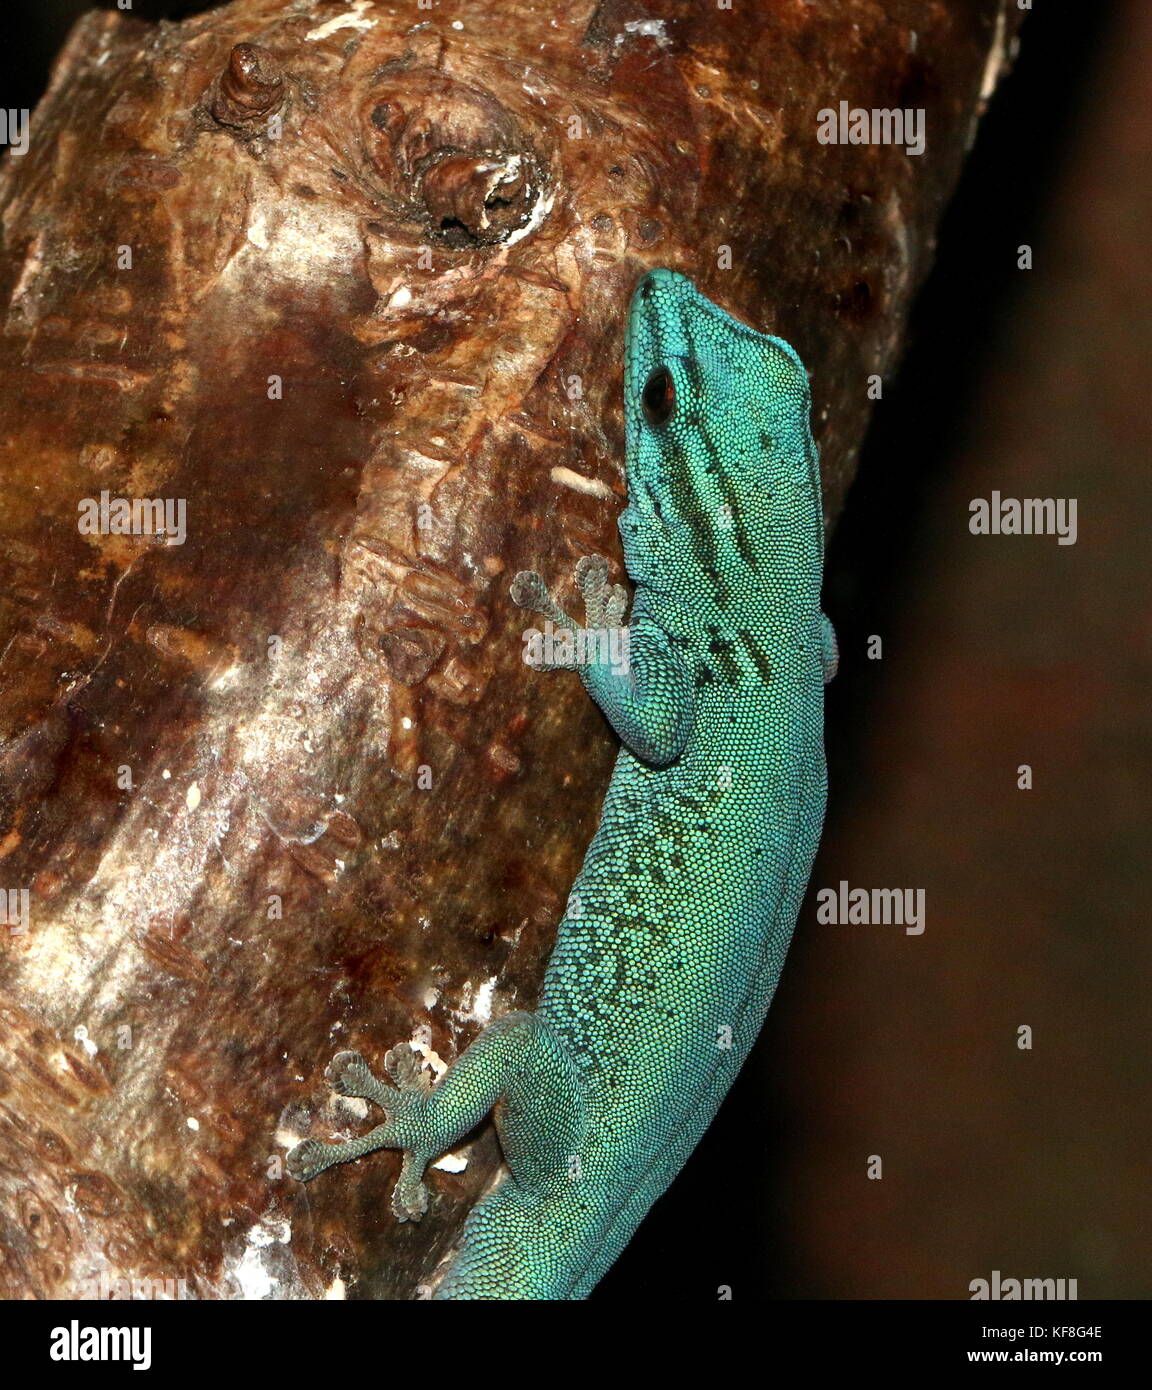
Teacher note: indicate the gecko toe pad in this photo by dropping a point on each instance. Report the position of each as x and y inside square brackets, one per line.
[529, 591]
[348, 1074]
[307, 1159]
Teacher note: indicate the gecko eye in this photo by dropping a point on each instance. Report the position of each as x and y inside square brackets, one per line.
[658, 398]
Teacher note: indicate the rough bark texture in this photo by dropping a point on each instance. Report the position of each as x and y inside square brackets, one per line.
[286, 787]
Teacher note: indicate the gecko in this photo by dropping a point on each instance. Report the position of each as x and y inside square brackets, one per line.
[669, 951]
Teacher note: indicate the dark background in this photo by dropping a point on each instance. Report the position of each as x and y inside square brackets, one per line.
[996, 652]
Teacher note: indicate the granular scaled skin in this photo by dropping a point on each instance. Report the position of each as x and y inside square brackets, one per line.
[677, 926]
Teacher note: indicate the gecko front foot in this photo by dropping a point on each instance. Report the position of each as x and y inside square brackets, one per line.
[529, 591]
[604, 603]
[604, 606]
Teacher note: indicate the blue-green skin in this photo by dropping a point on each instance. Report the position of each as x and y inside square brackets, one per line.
[669, 954]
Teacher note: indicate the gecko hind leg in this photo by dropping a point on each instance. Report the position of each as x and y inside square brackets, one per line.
[516, 1059]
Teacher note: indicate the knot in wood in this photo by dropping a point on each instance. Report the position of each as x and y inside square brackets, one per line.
[251, 86]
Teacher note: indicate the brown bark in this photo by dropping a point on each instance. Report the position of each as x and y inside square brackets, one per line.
[439, 238]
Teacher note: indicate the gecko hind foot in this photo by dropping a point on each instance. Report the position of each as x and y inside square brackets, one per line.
[349, 1075]
[307, 1159]
[403, 1065]
[410, 1196]
[405, 1127]
[408, 1097]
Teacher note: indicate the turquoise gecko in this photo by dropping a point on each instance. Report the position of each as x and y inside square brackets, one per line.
[674, 938]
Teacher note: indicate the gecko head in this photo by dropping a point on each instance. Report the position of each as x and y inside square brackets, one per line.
[723, 473]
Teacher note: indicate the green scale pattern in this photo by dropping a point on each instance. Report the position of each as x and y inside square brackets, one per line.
[669, 953]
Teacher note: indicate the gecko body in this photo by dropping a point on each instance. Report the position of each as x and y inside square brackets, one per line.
[672, 945]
